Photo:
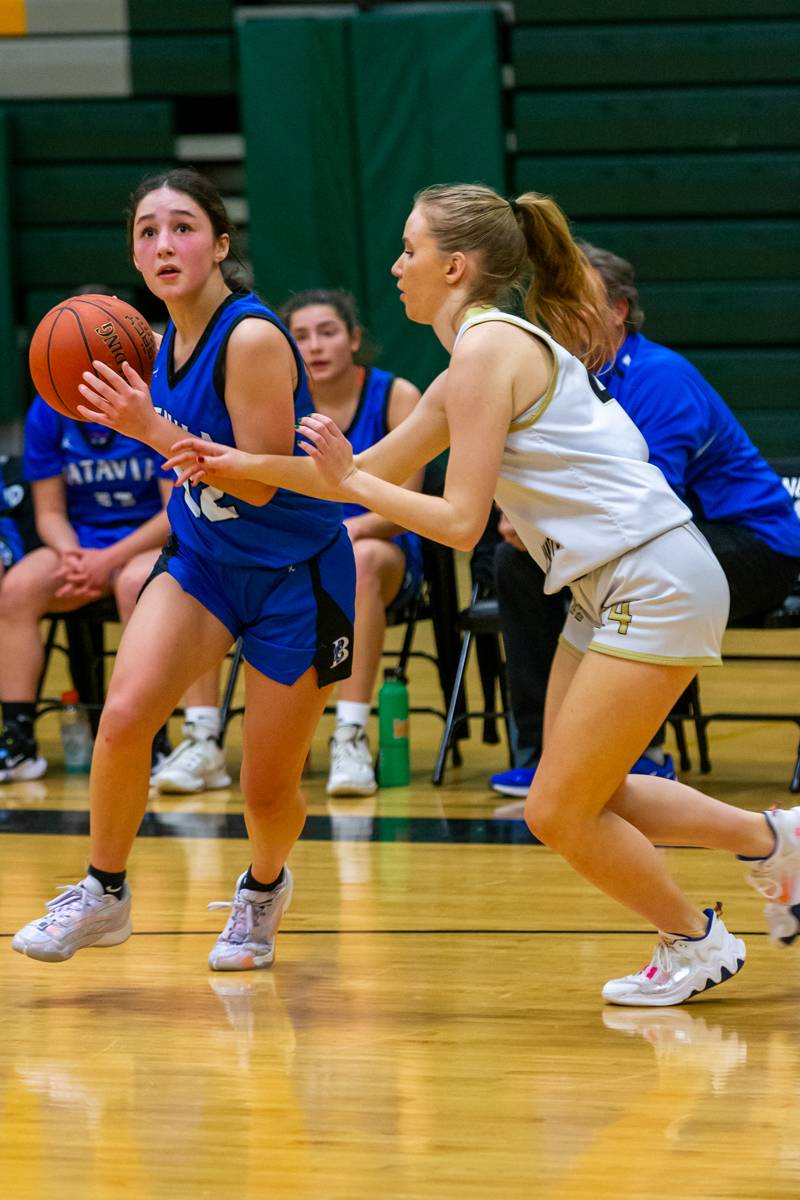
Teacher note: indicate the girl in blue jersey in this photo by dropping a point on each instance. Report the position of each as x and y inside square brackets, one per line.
[526, 422]
[366, 403]
[99, 500]
[252, 561]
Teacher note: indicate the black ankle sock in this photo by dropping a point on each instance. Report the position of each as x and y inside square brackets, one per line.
[112, 881]
[20, 713]
[254, 885]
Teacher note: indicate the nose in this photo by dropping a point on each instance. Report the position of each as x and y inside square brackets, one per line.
[164, 243]
[396, 271]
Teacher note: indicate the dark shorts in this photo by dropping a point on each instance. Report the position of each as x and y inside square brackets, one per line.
[289, 618]
[411, 586]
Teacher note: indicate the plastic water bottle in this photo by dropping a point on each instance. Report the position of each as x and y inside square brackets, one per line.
[393, 761]
[76, 735]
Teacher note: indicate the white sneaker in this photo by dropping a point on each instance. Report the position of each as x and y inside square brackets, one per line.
[778, 877]
[248, 939]
[83, 915]
[196, 765]
[352, 772]
[681, 967]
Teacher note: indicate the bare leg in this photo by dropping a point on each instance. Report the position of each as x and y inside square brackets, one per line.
[610, 707]
[279, 723]
[28, 591]
[380, 567]
[169, 640]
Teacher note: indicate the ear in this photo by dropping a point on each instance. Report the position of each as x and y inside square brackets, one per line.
[621, 308]
[356, 338]
[456, 267]
[222, 248]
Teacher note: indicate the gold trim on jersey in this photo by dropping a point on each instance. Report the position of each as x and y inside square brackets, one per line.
[660, 659]
[480, 315]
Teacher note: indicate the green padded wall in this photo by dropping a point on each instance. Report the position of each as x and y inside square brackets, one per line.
[669, 134]
[9, 359]
[345, 118]
[301, 170]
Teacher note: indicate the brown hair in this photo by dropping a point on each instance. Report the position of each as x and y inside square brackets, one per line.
[524, 246]
[620, 281]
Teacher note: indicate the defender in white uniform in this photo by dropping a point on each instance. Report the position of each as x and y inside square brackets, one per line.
[525, 421]
[600, 519]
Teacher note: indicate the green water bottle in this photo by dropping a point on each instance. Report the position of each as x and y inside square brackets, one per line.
[393, 763]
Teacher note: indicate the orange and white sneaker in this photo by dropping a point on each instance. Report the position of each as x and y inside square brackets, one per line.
[777, 877]
[681, 967]
[248, 940]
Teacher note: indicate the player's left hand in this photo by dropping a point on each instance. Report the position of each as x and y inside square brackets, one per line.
[120, 402]
[330, 450]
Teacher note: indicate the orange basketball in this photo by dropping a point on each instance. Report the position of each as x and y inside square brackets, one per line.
[79, 330]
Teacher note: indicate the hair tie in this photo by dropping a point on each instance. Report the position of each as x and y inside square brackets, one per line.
[515, 208]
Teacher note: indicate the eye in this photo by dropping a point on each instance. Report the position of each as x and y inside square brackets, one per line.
[148, 231]
[182, 227]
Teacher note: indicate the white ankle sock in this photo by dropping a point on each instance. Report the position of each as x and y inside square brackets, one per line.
[351, 712]
[205, 719]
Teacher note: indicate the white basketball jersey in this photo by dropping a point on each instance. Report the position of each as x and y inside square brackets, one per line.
[575, 481]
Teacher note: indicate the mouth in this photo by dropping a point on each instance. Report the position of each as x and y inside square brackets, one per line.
[167, 272]
[319, 364]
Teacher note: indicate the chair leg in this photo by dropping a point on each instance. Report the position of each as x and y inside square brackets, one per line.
[49, 643]
[452, 710]
[225, 710]
[503, 683]
[794, 786]
[86, 652]
[700, 726]
[489, 670]
[680, 738]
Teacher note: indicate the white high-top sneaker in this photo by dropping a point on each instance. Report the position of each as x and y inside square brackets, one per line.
[352, 772]
[196, 765]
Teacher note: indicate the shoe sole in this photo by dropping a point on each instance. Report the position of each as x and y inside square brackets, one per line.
[25, 773]
[518, 793]
[351, 790]
[41, 953]
[169, 788]
[725, 975]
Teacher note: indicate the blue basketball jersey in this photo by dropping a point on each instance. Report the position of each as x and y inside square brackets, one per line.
[290, 528]
[369, 424]
[111, 480]
[695, 439]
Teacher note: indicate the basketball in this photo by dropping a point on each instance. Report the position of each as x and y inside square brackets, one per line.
[79, 330]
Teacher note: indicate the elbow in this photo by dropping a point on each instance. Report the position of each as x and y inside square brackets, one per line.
[261, 494]
[465, 537]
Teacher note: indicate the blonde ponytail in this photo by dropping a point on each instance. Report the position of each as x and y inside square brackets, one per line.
[563, 294]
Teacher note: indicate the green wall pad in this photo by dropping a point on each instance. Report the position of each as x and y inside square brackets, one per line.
[666, 184]
[10, 392]
[89, 131]
[692, 52]
[722, 313]
[646, 10]
[665, 250]
[345, 118]
[182, 64]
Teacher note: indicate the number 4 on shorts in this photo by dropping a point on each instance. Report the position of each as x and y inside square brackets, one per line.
[621, 613]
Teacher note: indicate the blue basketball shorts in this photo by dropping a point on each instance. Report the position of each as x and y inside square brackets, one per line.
[410, 544]
[12, 547]
[289, 618]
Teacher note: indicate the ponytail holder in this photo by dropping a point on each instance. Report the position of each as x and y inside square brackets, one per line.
[515, 208]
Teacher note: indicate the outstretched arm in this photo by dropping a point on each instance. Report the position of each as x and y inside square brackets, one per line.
[415, 442]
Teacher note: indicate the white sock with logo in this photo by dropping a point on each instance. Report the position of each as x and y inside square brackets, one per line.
[204, 719]
[352, 712]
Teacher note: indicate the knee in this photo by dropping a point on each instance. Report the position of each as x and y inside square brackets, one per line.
[126, 589]
[123, 723]
[368, 569]
[16, 598]
[545, 818]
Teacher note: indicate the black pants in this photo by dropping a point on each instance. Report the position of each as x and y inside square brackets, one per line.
[759, 579]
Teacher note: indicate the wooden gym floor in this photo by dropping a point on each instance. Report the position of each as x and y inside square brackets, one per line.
[433, 1025]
